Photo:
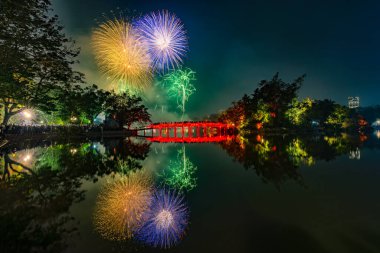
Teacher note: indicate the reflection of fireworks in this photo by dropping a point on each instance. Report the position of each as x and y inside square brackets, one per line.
[121, 55]
[120, 206]
[181, 172]
[166, 38]
[166, 220]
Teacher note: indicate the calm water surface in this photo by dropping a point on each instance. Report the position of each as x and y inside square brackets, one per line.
[265, 194]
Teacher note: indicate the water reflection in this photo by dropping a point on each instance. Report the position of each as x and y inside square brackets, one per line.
[180, 173]
[121, 204]
[133, 206]
[39, 185]
[165, 220]
[277, 159]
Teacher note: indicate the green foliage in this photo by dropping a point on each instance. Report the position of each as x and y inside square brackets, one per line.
[126, 109]
[297, 152]
[339, 117]
[262, 113]
[36, 55]
[298, 111]
[267, 105]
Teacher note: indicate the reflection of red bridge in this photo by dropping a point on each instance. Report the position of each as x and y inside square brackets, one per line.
[201, 131]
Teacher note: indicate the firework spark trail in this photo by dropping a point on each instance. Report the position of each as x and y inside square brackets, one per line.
[180, 173]
[180, 86]
[121, 55]
[165, 36]
[121, 204]
[166, 220]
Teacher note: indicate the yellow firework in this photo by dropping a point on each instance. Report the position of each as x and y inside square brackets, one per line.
[121, 55]
[121, 204]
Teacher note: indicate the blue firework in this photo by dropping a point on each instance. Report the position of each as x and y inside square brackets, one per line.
[165, 37]
[165, 221]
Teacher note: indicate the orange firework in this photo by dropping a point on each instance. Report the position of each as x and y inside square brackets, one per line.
[121, 55]
[121, 204]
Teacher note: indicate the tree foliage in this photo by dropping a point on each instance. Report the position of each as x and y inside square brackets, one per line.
[126, 109]
[36, 55]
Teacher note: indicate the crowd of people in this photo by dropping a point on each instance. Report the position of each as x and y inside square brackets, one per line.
[45, 129]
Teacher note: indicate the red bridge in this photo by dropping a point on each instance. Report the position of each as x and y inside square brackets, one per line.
[201, 131]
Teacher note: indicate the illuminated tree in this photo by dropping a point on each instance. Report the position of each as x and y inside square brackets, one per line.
[298, 111]
[339, 117]
[277, 95]
[238, 113]
[262, 113]
[179, 86]
[180, 173]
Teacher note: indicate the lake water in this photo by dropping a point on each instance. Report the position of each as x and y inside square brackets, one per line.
[263, 194]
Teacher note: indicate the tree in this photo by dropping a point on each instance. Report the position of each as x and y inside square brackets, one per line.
[321, 110]
[237, 113]
[297, 113]
[339, 117]
[36, 56]
[126, 109]
[277, 95]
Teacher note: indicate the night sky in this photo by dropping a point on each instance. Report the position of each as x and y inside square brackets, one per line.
[234, 45]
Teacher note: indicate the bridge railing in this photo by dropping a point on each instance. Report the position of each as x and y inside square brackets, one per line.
[189, 129]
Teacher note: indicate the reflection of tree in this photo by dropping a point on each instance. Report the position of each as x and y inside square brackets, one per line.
[128, 152]
[180, 173]
[297, 152]
[267, 156]
[277, 159]
[35, 199]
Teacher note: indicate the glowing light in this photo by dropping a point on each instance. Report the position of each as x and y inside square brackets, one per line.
[377, 133]
[166, 220]
[121, 204]
[180, 86]
[27, 158]
[165, 37]
[180, 172]
[121, 55]
[27, 114]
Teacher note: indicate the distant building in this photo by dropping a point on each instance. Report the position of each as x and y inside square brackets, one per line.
[354, 154]
[353, 102]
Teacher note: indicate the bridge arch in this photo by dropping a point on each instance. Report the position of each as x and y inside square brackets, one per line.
[188, 131]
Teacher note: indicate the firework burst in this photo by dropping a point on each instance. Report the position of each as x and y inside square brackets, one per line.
[121, 205]
[165, 220]
[179, 86]
[165, 37]
[121, 55]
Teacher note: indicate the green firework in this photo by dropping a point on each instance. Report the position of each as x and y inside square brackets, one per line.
[179, 83]
[180, 173]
